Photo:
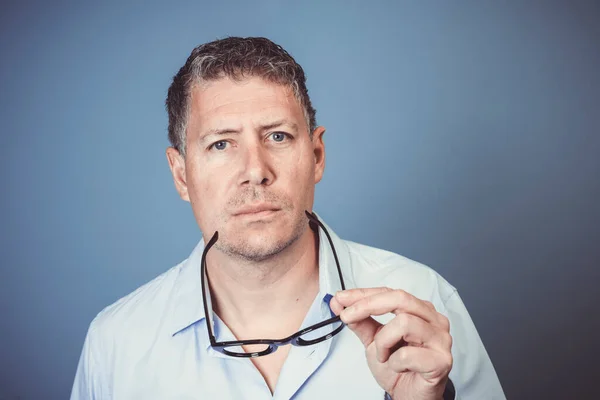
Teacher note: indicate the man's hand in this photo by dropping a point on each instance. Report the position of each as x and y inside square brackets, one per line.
[410, 356]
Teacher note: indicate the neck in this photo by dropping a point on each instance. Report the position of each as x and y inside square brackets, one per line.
[268, 298]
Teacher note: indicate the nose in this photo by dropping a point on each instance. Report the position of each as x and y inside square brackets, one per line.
[257, 169]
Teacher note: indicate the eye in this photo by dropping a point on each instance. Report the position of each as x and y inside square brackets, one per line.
[220, 145]
[279, 136]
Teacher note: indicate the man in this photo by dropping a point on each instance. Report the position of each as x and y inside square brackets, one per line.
[246, 153]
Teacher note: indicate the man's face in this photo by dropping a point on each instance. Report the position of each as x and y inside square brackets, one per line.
[250, 167]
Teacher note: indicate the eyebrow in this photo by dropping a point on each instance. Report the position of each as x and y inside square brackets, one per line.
[265, 127]
[278, 123]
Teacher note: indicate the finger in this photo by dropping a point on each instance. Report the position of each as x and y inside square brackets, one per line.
[351, 296]
[432, 365]
[394, 301]
[429, 304]
[406, 328]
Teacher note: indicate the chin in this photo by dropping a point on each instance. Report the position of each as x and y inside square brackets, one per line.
[253, 250]
[257, 242]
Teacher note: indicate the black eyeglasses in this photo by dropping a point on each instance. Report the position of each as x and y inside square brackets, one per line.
[306, 337]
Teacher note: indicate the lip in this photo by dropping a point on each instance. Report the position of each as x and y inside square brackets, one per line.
[258, 215]
[258, 210]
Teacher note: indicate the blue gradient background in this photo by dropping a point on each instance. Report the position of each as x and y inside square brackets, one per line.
[464, 135]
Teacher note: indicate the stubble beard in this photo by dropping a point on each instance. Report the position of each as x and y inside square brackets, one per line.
[240, 248]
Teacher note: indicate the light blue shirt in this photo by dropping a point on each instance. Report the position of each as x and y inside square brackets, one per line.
[153, 343]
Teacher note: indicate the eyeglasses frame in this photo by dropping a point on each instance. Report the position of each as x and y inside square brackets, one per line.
[273, 344]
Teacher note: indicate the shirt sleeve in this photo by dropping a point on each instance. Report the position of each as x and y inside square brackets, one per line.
[473, 374]
[89, 379]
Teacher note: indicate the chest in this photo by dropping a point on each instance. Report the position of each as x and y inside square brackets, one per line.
[270, 366]
[337, 370]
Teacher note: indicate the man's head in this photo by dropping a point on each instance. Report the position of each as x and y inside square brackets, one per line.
[244, 137]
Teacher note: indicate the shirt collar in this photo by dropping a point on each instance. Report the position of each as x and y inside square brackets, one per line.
[188, 308]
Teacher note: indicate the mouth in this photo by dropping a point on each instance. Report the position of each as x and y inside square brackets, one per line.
[258, 214]
[257, 211]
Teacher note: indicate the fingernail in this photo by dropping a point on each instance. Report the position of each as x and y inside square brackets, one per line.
[350, 310]
[341, 294]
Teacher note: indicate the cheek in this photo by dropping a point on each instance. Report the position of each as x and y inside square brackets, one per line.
[213, 188]
[208, 191]
[201, 188]
[300, 174]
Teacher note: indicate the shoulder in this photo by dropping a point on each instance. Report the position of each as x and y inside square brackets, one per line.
[139, 310]
[122, 333]
[374, 267]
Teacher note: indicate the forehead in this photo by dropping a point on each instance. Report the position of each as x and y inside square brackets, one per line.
[251, 100]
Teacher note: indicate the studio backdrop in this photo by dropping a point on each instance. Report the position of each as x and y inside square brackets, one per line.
[463, 135]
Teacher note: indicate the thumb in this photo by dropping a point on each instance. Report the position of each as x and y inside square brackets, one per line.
[335, 306]
[365, 329]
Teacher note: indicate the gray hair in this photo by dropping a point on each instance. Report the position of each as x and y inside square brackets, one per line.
[236, 58]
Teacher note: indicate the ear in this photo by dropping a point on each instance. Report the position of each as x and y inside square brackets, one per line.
[319, 152]
[177, 165]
